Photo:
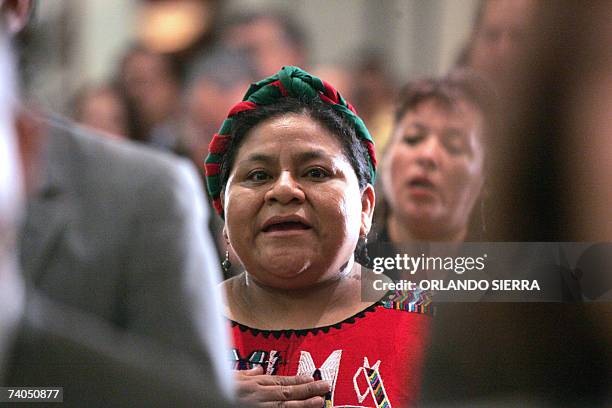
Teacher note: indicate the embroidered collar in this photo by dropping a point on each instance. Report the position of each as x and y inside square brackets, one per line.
[287, 333]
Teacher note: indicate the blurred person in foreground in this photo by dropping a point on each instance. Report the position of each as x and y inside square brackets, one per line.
[501, 34]
[433, 170]
[553, 183]
[46, 344]
[559, 129]
[291, 172]
[118, 231]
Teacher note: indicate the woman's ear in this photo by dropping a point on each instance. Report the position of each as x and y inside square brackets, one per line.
[225, 236]
[368, 200]
[222, 200]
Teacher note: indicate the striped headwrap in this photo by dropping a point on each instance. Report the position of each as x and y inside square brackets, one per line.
[289, 81]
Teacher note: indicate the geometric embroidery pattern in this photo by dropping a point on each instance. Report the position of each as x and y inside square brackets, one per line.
[273, 362]
[375, 385]
[328, 371]
[417, 301]
[257, 358]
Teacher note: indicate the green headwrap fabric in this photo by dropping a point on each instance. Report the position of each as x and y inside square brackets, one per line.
[289, 81]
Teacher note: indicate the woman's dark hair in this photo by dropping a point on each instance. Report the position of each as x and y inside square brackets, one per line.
[321, 112]
[459, 85]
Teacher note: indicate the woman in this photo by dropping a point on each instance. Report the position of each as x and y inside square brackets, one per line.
[433, 172]
[292, 171]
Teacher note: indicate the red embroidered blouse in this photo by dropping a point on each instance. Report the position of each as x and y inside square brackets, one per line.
[372, 359]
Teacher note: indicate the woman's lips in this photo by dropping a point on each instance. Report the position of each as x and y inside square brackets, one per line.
[421, 188]
[286, 226]
[421, 181]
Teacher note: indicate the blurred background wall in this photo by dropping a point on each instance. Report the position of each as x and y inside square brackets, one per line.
[79, 41]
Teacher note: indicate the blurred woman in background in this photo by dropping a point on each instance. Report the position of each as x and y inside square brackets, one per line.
[102, 108]
[433, 171]
[151, 85]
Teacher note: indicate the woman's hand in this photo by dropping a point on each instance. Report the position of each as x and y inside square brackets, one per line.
[255, 389]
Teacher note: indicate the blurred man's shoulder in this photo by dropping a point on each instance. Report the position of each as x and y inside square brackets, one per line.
[101, 147]
[119, 161]
[97, 364]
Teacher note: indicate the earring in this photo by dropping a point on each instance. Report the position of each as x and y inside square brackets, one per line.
[226, 264]
[366, 257]
[361, 254]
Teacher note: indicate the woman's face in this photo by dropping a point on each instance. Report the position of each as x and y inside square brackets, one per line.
[293, 208]
[434, 169]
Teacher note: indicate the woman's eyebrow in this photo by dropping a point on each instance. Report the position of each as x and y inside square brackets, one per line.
[455, 132]
[312, 155]
[418, 126]
[259, 157]
[301, 156]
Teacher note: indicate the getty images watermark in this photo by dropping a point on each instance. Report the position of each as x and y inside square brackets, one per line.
[406, 264]
[497, 272]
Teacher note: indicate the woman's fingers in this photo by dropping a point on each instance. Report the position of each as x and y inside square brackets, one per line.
[299, 392]
[282, 380]
[256, 374]
[315, 402]
[280, 391]
[257, 370]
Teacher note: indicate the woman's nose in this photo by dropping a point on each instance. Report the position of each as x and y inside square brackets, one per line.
[428, 154]
[285, 189]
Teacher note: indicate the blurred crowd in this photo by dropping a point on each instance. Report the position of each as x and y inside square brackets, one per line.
[516, 138]
[176, 100]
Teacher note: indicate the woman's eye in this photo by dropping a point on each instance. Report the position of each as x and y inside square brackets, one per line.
[457, 145]
[316, 173]
[258, 175]
[412, 139]
[455, 149]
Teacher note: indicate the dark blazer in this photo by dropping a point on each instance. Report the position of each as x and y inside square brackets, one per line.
[102, 367]
[119, 231]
